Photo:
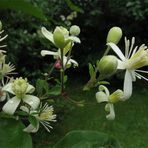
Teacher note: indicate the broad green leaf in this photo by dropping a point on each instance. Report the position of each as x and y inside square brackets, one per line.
[74, 7]
[24, 6]
[56, 90]
[87, 139]
[42, 87]
[12, 135]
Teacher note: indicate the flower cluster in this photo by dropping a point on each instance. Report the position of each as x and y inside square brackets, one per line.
[134, 58]
[17, 94]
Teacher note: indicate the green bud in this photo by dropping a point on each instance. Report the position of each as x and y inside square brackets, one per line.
[107, 65]
[114, 35]
[1, 25]
[116, 96]
[19, 87]
[59, 38]
[75, 30]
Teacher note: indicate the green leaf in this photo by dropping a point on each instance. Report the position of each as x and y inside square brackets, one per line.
[12, 135]
[87, 139]
[103, 83]
[24, 6]
[74, 7]
[42, 87]
[33, 121]
[56, 90]
[65, 78]
[91, 70]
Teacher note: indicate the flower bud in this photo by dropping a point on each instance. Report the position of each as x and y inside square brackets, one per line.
[59, 38]
[107, 65]
[58, 64]
[116, 96]
[19, 87]
[75, 30]
[114, 35]
[0, 25]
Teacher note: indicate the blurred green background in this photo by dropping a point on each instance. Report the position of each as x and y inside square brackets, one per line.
[95, 18]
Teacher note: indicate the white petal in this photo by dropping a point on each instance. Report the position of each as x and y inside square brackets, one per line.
[11, 105]
[117, 50]
[74, 62]
[103, 88]
[110, 108]
[47, 34]
[46, 52]
[8, 88]
[74, 39]
[101, 97]
[127, 88]
[33, 101]
[30, 89]
[31, 129]
[25, 109]
[121, 65]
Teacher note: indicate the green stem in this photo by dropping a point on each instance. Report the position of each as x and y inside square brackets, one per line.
[106, 51]
[62, 71]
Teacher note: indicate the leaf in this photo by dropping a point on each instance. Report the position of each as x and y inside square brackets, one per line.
[74, 7]
[33, 121]
[24, 6]
[41, 87]
[103, 83]
[56, 90]
[87, 139]
[91, 70]
[12, 135]
[65, 78]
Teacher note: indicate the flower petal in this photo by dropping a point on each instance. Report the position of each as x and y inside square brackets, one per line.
[11, 105]
[46, 52]
[47, 34]
[74, 62]
[127, 88]
[117, 50]
[110, 108]
[74, 39]
[101, 97]
[33, 101]
[121, 65]
[8, 88]
[30, 89]
[31, 129]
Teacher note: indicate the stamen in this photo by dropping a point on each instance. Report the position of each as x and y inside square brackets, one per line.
[131, 48]
[139, 75]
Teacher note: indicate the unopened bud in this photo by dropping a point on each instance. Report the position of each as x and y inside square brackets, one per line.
[59, 38]
[107, 65]
[58, 64]
[114, 35]
[75, 30]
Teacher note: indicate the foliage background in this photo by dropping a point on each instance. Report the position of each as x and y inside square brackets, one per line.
[95, 18]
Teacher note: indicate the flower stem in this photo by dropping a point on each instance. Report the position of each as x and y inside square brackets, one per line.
[106, 51]
[62, 71]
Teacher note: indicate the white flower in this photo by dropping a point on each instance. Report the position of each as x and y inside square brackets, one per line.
[104, 96]
[49, 35]
[135, 58]
[20, 88]
[44, 116]
[57, 55]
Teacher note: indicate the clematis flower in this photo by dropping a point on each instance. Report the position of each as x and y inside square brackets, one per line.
[57, 55]
[104, 96]
[135, 58]
[44, 116]
[21, 89]
[2, 38]
[60, 37]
